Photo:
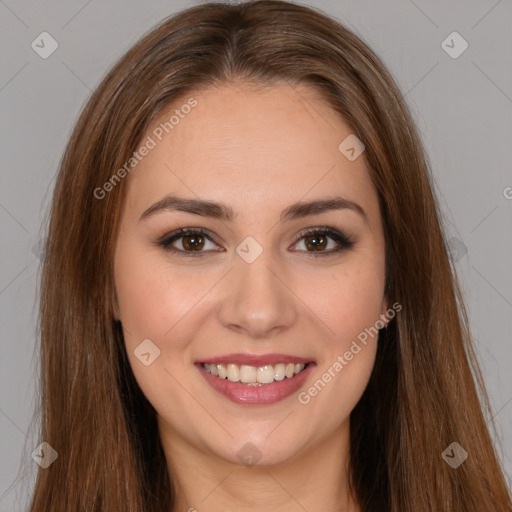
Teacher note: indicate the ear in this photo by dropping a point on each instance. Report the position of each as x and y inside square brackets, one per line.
[114, 302]
[385, 305]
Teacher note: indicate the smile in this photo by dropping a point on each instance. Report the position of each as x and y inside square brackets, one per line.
[268, 380]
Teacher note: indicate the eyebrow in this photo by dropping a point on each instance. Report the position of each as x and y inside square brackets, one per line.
[222, 211]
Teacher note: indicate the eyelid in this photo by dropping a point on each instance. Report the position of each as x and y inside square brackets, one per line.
[344, 242]
[169, 238]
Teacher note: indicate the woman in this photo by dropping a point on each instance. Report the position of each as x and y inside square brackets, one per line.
[255, 307]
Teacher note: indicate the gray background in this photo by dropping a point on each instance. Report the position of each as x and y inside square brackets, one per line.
[463, 108]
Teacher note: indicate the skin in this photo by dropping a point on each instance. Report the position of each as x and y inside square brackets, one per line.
[258, 150]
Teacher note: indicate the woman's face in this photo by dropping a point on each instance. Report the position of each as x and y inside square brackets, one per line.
[261, 288]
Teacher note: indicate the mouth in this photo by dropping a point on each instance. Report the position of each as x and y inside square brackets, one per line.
[256, 380]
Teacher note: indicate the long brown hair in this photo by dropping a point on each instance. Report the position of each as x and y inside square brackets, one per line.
[424, 391]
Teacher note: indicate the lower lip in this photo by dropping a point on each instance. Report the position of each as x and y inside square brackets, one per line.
[266, 394]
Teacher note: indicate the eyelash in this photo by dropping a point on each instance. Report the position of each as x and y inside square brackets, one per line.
[343, 241]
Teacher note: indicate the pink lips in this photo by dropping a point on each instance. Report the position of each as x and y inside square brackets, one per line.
[266, 394]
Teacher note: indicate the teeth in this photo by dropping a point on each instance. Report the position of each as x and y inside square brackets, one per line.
[221, 369]
[265, 374]
[253, 375]
[247, 373]
[279, 370]
[233, 372]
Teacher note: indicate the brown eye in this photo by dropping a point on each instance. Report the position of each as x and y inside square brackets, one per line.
[316, 242]
[194, 242]
[324, 242]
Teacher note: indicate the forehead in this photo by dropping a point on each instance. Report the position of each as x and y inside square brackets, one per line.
[250, 146]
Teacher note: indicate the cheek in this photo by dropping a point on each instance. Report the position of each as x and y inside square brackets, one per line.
[351, 309]
[152, 297]
[352, 301]
[163, 303]
[153, 303]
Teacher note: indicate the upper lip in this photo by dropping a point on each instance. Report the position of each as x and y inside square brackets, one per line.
[255, 360]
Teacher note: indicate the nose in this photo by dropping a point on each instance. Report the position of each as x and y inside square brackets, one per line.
[257, 301]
